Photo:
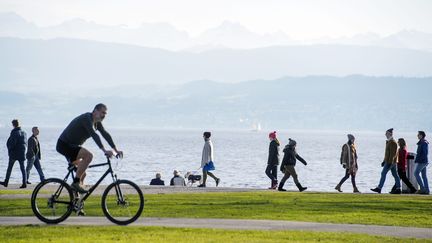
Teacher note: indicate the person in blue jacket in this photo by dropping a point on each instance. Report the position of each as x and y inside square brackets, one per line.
[16, 145]
[422, 162]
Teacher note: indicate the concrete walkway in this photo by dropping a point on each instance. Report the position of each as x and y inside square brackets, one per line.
[239, 225]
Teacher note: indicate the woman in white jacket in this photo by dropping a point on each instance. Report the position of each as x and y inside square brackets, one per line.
[207, 160]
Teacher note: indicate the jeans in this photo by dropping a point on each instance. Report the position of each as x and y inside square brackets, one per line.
[34, 161]
[421, 168]
[9, 171]
[347, 175]
[384, 172]
[271, 172]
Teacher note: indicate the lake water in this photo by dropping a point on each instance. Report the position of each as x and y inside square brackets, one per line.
[240, 157]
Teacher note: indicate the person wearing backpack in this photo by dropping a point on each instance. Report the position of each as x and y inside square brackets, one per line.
[348, 160]
[288, 164]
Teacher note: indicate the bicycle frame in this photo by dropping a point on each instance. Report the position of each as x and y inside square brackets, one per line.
[108, 171]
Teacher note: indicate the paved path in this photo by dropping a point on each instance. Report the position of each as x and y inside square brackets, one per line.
[240, 225]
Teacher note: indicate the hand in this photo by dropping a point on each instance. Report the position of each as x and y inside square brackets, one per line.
[344, 166]
[109, 153]
[382, 164]
[119, 155]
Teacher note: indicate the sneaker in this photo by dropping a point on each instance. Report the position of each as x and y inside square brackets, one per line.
[76, 187]
[356, 190]
[217, 181]
[338, 188]
[202, 185]
[3, 183]
[377, 190]
[281, 189]
[28, 182]
[412, 191]
[23, 186]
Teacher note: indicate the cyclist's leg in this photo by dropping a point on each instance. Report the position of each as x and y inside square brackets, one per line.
[82, 161]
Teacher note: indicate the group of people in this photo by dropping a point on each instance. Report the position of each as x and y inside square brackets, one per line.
[85, 126]
[395, 160]
[20, 149]
[207, 166]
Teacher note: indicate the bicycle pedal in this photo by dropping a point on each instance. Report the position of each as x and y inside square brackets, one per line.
[81, 213]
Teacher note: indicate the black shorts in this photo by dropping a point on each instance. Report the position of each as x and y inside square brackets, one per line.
[68, 150]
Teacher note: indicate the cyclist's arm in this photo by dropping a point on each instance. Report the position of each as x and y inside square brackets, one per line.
[106, 136]
[89, 127]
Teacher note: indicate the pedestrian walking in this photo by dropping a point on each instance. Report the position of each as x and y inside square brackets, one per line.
[389, 164]
[207, 160]
[348, 160]
[33, 155]
[288, 165]
[16, 145]
[273, 160]
[422, 162]
[402, 164]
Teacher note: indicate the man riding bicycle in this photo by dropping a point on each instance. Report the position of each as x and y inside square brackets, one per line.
[76, 133]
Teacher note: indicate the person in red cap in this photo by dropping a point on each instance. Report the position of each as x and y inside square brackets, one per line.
[273, 160]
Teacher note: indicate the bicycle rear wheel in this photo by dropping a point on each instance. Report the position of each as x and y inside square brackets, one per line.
[122, 202]
[51, 201]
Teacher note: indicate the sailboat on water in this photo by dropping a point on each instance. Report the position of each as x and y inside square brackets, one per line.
[256, 127]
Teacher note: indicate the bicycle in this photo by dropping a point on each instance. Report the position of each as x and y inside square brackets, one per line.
[53, 199]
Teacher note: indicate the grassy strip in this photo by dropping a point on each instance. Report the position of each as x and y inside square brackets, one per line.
[395, 210]
[164, 234]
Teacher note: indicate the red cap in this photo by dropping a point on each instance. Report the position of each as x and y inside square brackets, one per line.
[272, 135]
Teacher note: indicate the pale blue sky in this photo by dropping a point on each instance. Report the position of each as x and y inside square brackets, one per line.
[306, 19]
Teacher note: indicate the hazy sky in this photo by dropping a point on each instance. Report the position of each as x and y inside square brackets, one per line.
[303, 19]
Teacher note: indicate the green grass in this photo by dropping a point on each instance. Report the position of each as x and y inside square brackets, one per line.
[395, 210]
[164, 234]
[14, 192]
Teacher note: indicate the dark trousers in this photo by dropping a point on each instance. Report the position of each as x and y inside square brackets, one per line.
[34, 161]
[9, 171]
[289, 171]
[271, 172]
[404, 178]
[347, 175]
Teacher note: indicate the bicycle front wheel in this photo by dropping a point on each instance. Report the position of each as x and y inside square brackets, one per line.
[122, 202]
[51, 201]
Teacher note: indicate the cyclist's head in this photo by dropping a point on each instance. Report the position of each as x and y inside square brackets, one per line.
[15, 123]
[99, 112]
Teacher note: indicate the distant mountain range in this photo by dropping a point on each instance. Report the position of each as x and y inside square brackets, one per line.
[72, 65]
[227, 35]
[349, 103]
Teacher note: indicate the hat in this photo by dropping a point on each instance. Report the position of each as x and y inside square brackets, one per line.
[350, 137]
[291, 142]
[272, 135]
[176, 172]
[207, 134]
[390, 130]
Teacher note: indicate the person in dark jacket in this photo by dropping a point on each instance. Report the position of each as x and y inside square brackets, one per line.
[422, 162]
[402, 164]
[16, 145]
[288, 164]
[33, 155]
[157, 181]
[273, 160]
